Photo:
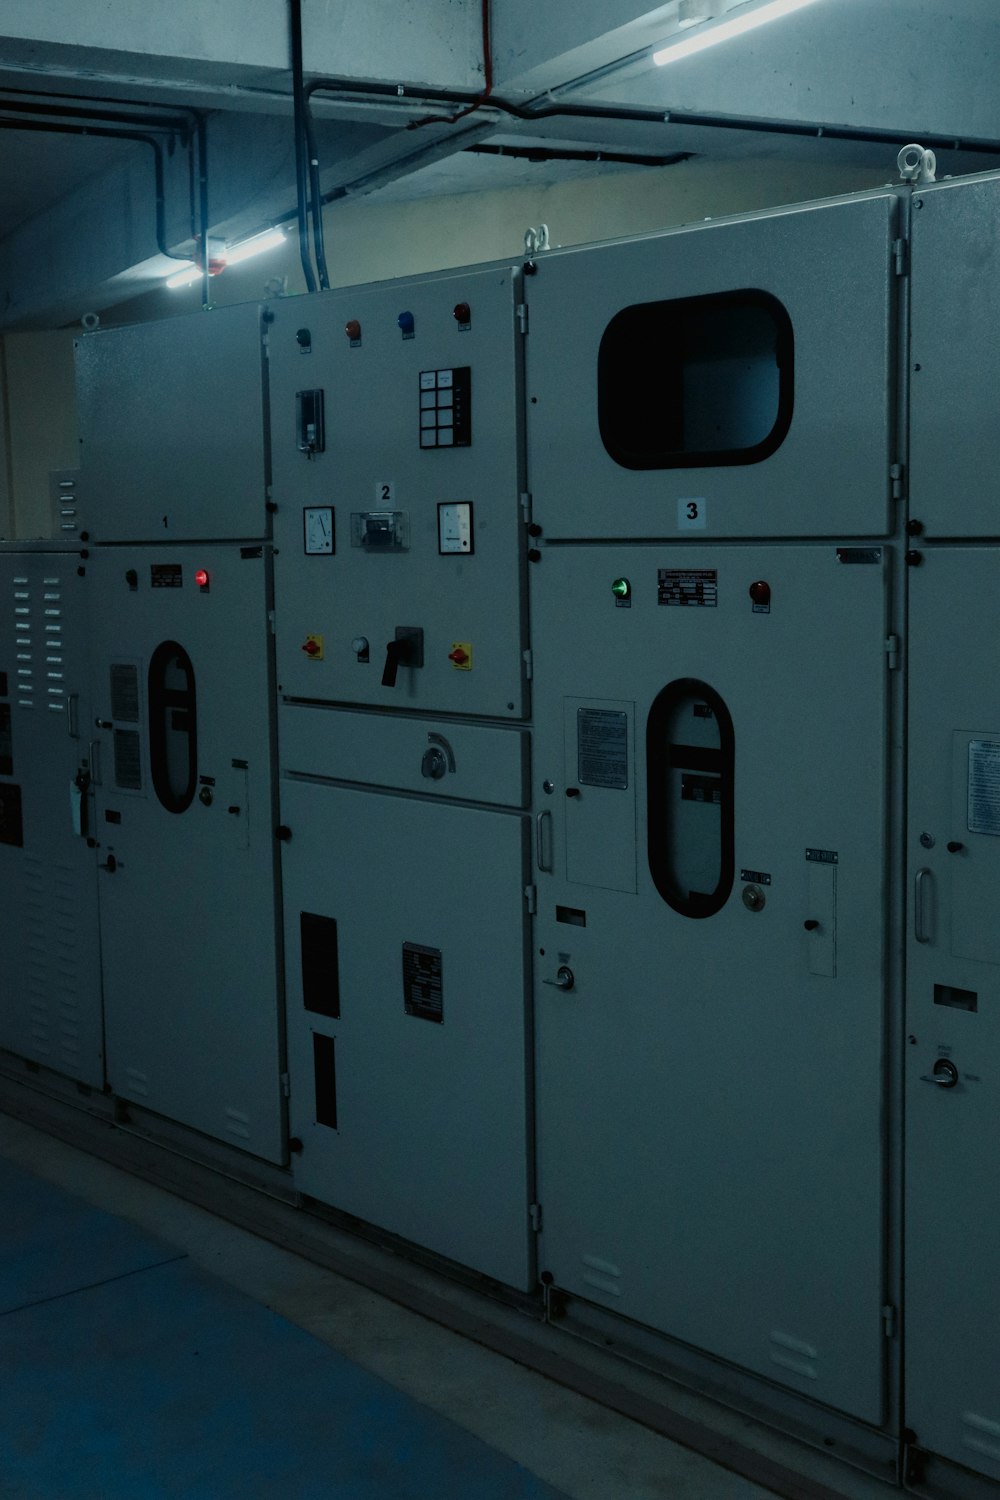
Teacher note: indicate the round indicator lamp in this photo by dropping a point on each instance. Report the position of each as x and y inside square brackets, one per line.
[462, 312]
[353, 330]
[621, 588]
[201, 578]
[406, 322]
[760, 592]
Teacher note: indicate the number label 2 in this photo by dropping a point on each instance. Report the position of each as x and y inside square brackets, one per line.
[385, 493]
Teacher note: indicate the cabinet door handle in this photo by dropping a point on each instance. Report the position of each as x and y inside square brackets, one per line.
[543, 842]
[921, 888]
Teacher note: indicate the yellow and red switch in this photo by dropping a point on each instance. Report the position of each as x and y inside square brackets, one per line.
[313, 647]
[460, 656]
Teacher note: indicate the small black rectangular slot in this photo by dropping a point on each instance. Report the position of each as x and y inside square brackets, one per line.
[950, 994]
[112, 816]
[320, 964]
[11, 825]
[571, 915]
[3, 685]
[325, 1068]
[6, 742]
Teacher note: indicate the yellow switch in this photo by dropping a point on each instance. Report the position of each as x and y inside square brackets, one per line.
[313, 647]
[460, 656]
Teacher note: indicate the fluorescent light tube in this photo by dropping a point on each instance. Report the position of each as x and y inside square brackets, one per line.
[733, 25]
[269, 240]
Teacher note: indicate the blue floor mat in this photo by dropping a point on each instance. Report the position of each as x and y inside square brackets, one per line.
[165, 1384]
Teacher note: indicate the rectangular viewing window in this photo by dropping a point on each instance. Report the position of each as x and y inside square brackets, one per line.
[696, 382]
[320, 964]
[325, 1077]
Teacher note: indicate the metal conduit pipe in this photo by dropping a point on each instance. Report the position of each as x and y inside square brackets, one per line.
[544, 111]
[65, 128]
[301, 166]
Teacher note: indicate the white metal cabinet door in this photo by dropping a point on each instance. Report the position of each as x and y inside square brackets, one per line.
[50, 980]
[955, 360]
[400, 555]
[172, 429]
[409, 1084]
[830, 267]
[710, 1089]
[189, 920]
[953, 1015]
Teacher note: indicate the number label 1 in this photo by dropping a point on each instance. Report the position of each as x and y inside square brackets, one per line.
[692, 514]
[385, 493]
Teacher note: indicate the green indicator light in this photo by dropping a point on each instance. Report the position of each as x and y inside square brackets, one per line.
[621, 588]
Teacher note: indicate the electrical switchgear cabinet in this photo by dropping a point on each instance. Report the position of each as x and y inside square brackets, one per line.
[406, 958]
[709, 949]
[182, 684]
[397, 469]
[955, 361]
[730, 379]
[953, 1024]
[50, 990]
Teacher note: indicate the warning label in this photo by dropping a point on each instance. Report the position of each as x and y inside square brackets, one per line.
[423, 986]
[602, 747]
[984, 786]
[696, 586]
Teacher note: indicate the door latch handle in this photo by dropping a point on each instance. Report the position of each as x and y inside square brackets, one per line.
[944, 1074]
[564, 979]
[921, 885]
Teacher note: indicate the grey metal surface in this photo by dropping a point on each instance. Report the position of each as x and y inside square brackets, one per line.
[50, 979]
[952, 1189]
[830, 266]
[438, 758]
[172, 429]
[955, 362]
[188, 903]
[709, 1104]
[374, 462]
[431, 1136]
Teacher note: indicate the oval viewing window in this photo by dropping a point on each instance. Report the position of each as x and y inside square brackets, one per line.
[697, 382]
[690, 765]
[173, 727]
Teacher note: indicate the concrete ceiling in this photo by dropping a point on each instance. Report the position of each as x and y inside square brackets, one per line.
[836, 82]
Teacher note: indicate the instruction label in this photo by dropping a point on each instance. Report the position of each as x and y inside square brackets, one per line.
[984, 786]
[423, 983]
[602, 747]
[691, 586]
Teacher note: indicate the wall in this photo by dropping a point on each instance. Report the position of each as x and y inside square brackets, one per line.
[374, 238]
[38, 432]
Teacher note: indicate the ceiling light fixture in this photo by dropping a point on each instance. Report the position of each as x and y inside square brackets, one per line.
[233, 254]
[687, 44]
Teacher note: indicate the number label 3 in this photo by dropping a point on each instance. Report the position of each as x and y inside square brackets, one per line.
[692, 515]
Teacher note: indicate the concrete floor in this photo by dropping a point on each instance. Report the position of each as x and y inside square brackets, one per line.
[561, 1439]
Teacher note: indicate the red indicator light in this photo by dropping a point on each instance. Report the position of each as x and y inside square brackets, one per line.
[760, 592]
[463, 312]
[201, 578]
[353, 330]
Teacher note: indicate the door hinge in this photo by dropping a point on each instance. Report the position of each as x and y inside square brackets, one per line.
[899, 257]
[892, 652]
[529, 663]
[531, 897]
[286, 1089]
[535, 1216]
[526, 506]
[897, 474]
[889, 1320]
[522, 316]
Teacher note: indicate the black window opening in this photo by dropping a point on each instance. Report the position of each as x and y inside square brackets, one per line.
[690, 779]
[698, 382]
[173, 727]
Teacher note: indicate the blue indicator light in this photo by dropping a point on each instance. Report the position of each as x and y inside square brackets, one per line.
[405, 321]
